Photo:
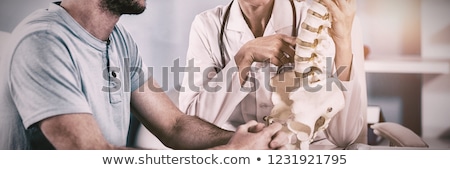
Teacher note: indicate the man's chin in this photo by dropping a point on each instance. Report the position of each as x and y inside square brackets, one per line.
[135, 12]
[138, 8]
[120, 7]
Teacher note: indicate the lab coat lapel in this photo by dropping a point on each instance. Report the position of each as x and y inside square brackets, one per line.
[236, 23]
[282, 18]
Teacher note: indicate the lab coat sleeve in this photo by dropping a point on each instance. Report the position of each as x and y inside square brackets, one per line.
[346, 126]
[205, 93]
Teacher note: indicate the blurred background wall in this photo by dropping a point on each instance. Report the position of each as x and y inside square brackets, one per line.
[392, 29]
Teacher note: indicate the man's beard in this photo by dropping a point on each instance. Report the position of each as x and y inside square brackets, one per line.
[119, 7]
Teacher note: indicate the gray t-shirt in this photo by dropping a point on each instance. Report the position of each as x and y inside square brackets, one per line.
[56, 67]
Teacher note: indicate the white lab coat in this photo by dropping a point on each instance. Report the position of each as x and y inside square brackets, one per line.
[229, 105]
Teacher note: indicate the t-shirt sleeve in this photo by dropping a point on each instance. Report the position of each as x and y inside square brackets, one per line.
[138, 72]
[44, 79]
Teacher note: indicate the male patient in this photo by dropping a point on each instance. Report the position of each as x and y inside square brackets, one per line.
[73, 76]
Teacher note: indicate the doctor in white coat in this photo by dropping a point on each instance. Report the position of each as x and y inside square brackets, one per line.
[235, 49]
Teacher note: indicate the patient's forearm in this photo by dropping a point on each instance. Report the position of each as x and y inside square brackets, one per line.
[193, 133]
[175, 129]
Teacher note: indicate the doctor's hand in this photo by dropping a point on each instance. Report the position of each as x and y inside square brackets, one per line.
[342, 14]
[253, 135]
[277, 49]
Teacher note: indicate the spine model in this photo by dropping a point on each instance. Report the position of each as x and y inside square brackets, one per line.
[312, 44]
[303, 100]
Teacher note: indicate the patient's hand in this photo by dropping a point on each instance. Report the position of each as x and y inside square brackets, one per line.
[279, 140]
[253, 135]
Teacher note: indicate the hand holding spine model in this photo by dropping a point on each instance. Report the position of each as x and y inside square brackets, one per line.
[304, 100]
